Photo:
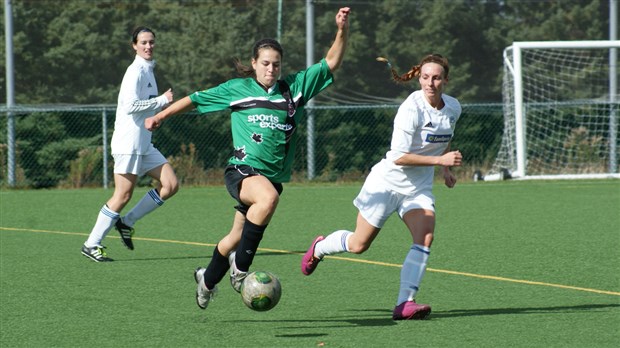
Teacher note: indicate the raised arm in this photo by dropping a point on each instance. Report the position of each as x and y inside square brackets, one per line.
[336, 51]
[178, 107]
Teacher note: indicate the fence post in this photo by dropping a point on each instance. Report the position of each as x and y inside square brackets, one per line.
[613, 86]
[310, 104]
[310, 140]
[11, 148]
[10, 92]
[104, 120]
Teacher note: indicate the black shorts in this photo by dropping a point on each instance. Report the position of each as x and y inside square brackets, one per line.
[234, 175]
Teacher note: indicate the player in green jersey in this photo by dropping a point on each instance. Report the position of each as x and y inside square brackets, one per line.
[264, 114]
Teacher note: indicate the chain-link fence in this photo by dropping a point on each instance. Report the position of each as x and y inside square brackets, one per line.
[68, 147]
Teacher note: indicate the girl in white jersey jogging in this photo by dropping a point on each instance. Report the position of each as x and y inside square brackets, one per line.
[402, 182]
[134, 154]
[264, 114]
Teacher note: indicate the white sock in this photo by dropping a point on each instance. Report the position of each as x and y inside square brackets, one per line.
[105, 220]
[335, 243]
[147, 204]
[412, 272]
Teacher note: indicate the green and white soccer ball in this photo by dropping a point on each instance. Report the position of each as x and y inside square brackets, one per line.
[261, 291]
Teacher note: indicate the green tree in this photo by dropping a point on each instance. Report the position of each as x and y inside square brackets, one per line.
[76, 51]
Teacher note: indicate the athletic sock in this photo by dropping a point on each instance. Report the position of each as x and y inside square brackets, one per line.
[335, 243]
[412, 272]
[216, 270]
[105, 220]
[147, 204]
[250, 239]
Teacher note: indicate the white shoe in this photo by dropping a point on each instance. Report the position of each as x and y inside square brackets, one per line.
[203, 295]
[236, 276]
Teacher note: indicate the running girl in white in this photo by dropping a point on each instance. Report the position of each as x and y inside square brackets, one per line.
[134, 154]
[402, 182]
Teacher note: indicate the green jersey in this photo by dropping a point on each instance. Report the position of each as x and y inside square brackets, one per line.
[263, 122]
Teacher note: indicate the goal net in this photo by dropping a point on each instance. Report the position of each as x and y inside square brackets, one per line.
[561, 109]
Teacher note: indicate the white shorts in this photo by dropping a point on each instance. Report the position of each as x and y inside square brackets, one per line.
[377, 203]
[138, 164]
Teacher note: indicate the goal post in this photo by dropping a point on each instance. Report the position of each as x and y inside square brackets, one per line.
[560, 111]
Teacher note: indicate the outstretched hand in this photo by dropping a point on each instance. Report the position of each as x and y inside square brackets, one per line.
[342, 18]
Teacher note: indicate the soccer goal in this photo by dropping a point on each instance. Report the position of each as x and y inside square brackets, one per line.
[561, 108]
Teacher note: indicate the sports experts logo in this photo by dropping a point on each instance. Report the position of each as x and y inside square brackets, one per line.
[269, 121]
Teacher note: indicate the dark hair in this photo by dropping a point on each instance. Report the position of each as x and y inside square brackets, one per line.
[137, 31]
[415, 70]
[246, 71]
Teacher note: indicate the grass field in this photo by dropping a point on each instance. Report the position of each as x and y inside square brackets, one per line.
[514, 264]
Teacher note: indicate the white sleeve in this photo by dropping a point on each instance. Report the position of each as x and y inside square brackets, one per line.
[130, 94]
[405, 124]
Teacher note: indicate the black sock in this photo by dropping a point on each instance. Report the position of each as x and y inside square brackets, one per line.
[250, 238]
[216, 270]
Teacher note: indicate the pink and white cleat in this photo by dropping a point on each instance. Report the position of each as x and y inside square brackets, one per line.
[409, 310]
[309, 262]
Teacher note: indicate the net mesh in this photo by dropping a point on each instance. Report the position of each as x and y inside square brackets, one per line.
[570, 121]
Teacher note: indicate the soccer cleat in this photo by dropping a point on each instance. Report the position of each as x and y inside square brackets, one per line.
[309, 261]
[126, 233]
[236, 276]
[96, 253]
[409, 310]
[203, 295]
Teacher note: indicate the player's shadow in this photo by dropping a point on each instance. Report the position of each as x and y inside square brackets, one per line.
[330, 323]
[206, 256]
[453, 313]
[189, 257]
[382, 318]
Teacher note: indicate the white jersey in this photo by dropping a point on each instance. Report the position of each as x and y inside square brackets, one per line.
[419, 129]
[137, 100]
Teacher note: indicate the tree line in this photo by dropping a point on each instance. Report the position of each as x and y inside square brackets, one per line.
[76, 51]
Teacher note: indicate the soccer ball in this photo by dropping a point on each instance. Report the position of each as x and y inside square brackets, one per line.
[261, 291]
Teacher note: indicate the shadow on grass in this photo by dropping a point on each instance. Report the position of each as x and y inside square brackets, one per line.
[201, 257]
[301, 335]
[330, 323]
[509, 311]
[383, 317]
[365, 320]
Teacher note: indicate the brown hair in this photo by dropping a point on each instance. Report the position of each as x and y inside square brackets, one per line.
[247, 71]
[137, 31]
[415, 70]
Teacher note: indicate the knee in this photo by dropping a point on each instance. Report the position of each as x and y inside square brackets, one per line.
[125, 197]
[427, 239]
[173, 188]
[169, 188]
[269, 203]
[120, 199]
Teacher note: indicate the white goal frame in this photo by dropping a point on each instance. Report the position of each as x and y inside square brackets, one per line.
[520, 170]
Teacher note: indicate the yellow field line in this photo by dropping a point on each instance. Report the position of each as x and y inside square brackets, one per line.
[379, 263]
